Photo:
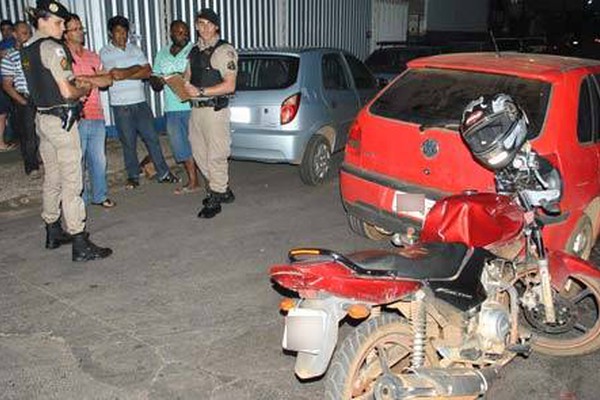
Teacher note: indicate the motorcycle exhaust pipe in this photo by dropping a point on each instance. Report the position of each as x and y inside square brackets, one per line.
[436, 382]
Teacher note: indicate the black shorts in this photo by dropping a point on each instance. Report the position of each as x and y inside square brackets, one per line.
[5, 104]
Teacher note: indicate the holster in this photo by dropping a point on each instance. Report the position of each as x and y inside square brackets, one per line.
[221, 102]
[70, 115]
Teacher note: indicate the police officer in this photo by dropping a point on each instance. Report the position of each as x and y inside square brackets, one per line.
[55, 93]
[212, 72]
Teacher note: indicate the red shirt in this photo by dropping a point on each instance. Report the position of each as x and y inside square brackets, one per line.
[88, 63]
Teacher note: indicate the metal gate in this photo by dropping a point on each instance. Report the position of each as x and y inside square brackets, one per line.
[246, 24]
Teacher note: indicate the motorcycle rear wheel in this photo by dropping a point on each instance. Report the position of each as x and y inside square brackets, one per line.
[579, 301]
[356, 365]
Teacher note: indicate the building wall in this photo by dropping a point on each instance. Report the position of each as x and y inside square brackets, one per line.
[390, 21]
[456, 15]
[255, 23]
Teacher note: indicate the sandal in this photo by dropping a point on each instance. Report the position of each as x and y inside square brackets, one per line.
[170, 178]
[132, 184]
[187, 190]
[108, 203]
[8, 147]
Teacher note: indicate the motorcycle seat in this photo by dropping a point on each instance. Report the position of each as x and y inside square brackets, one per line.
[424, 261]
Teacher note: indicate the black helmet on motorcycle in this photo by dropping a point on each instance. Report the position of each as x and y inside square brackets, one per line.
[494, 129]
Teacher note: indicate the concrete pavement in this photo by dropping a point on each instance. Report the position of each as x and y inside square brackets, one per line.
[184, 308]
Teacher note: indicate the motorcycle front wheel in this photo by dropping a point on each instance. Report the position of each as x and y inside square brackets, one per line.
[357, 363]
[577, 330]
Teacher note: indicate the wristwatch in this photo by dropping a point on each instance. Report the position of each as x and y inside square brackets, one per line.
[201, 90]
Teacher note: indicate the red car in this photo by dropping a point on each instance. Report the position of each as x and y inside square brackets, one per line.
[404, 144]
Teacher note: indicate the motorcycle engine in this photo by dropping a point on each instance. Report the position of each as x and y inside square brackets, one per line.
[493, 327]
[494, 319]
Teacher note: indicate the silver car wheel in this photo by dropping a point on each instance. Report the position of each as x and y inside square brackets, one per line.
[322, 161]
[316, 162]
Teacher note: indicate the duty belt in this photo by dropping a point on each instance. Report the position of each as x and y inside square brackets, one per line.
[217, 103]
[68, 114]
[203, 103]
[56, 111]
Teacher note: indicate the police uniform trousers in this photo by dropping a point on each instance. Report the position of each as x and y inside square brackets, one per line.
[210, 138]
[61, 153]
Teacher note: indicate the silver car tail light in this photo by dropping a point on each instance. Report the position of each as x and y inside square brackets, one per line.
[289, 108]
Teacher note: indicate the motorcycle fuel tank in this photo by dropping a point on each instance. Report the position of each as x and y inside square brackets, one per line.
[478, 220]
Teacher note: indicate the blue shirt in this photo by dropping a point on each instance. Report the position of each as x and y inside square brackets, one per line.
[11, 67]
[165, 64]
[129, 91]
[6, 44]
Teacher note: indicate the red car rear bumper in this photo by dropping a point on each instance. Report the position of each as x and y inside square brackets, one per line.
[368, 196]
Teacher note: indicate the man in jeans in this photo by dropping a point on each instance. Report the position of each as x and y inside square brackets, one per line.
[92, 130]
[173, 60]
[128, 66]
[15, 86]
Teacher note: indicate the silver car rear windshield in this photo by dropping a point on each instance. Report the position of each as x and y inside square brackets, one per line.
[437, 97]
[258, 72]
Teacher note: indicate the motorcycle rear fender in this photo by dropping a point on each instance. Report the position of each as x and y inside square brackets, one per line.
[311, 364]
[312, 278]
[563, 265]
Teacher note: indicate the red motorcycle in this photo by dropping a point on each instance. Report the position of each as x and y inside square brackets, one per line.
[438, 318]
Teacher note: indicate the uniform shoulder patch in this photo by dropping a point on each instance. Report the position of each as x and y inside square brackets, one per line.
[64, 63]
[231, 65]
[25, 63]
[60, 52]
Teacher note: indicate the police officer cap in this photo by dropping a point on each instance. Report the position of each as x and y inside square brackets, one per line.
[53, 7]
[209, 15]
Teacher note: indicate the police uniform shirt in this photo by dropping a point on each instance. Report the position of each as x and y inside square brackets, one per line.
[224, 59]
[54, 58]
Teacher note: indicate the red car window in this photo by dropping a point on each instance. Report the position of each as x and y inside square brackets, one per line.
[431, 96]
[585, 121]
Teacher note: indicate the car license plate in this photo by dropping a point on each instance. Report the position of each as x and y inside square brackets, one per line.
[240, 115]
[304, 330]
[415, 205]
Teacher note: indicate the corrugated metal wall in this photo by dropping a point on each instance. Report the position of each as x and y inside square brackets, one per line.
[333, 23]
[263, 23]
[245, 23]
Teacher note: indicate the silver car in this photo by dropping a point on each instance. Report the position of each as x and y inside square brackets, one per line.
[296, 106]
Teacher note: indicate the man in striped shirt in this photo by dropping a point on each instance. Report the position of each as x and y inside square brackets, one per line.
[7, 42]
[14, 85]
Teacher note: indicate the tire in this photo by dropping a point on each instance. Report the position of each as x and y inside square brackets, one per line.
[581, 241]
[352, 355]
[316, 162]
[580, 334]
[365, 229]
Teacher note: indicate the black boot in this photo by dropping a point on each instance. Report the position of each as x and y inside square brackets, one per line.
[85, 250]
[226, 198]
[212, 206]
[55, 236]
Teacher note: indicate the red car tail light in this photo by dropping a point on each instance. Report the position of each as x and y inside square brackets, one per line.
[289, 109]
[354, 138]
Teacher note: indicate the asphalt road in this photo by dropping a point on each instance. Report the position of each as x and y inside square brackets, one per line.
[184, 308]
